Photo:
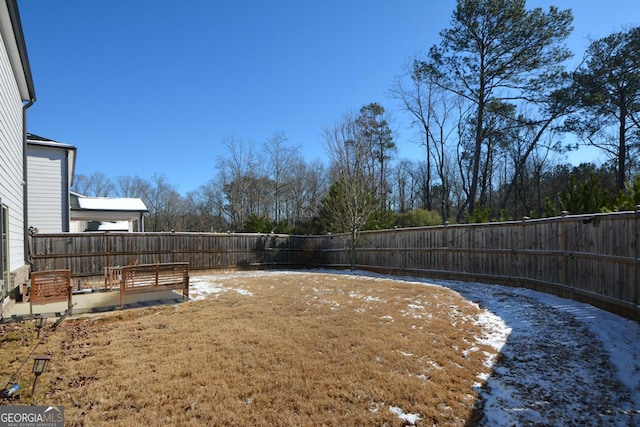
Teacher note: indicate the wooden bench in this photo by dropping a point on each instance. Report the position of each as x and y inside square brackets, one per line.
[49, 287]
[112, 277]
[135, 279]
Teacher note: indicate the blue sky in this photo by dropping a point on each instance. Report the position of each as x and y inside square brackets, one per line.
[155, 86]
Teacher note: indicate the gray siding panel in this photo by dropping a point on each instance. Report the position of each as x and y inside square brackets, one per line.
[46, 166]
[11, 167]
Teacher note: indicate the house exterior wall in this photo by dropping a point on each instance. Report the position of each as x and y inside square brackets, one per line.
[77, 226]
[129, 226]
[16, 95]
[48, 190]
[11, 159]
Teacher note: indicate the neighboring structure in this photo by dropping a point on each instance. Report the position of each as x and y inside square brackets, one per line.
[106, 214]
[17, 93]
[53, 208]
[50, 168]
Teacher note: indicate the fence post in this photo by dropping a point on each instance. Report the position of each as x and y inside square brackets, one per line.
[172, 245]
[105, 237]
[637, 272]
[395, 252]
[446, 245]
[563, 233]
[520, 269]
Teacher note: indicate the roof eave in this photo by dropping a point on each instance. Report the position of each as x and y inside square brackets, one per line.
[17, 49]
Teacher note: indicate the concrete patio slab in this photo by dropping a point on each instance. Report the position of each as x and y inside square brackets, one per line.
[93, 302]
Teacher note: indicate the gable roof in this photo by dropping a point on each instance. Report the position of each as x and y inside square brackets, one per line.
[104, 204]
[33, 138]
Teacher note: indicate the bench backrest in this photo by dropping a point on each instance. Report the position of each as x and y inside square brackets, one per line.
[50, 286]
[112, 277]
[134, 276]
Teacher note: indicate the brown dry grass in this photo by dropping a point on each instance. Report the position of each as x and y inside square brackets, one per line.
[302, 349]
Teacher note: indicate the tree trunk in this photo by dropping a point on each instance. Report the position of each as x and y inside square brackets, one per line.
[352, 247]
[476, 153]
[622, 149]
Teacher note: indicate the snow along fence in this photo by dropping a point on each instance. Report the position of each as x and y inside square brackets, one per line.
[590, 258]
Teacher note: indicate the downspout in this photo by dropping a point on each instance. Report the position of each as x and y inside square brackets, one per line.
[25, 192]
[66, 213]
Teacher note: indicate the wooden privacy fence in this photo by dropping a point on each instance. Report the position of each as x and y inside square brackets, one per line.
[591, 258]
[88, 254]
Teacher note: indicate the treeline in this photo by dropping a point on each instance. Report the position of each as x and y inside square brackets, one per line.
[497, 110]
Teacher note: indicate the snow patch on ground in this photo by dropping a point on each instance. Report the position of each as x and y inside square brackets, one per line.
[409, 418]
[202, 287]
[561, 362]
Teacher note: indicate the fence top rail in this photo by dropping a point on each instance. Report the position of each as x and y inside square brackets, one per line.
[164, 233]
[157, 265]
[565, 218]
[568, 217]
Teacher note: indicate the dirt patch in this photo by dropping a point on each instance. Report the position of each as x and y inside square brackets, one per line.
[286, 349]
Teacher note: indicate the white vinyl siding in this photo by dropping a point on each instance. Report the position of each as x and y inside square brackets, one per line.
[46, 168]
[77, 226]
[11, 149]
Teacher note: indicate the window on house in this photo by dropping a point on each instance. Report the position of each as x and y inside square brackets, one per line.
[4, 250]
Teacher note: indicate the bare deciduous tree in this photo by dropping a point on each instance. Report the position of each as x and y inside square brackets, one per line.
[282, 158]
[132, 186]
[352, 198]
[95, 185]
[241, 181]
